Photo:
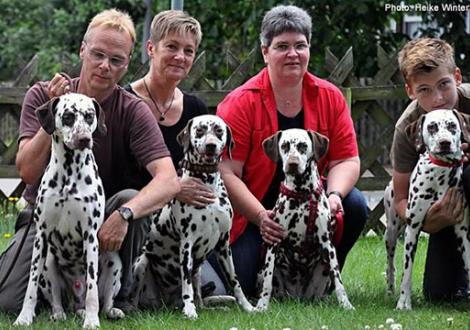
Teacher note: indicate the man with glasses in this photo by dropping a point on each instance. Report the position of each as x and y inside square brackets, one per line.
[133, 145]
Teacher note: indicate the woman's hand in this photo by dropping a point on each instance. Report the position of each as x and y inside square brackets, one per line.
[335, 204]
[195, 192]
[271, 232]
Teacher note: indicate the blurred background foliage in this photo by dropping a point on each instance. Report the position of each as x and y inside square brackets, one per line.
[53, 29]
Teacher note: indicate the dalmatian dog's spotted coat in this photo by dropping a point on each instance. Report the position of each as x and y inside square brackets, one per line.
[182, 236]
[304, 264]
[438, 135]
[69, 211]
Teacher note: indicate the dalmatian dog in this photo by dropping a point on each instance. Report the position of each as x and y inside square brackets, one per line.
[68, 213]
[182, 236]
[304, 264]
[438, 135]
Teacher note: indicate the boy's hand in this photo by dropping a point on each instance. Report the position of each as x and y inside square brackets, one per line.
[466, 152]
[446, 212]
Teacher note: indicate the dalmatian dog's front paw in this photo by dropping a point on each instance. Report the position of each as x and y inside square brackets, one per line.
[189, 311]
[247, 307]
[58, 316]
[91, 323]
[347, 305]
[115, 314]
[261, 306]
[81, 313]
[24, 319]
[404, 303]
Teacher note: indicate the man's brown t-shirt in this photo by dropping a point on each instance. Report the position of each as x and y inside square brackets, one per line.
[132, 141]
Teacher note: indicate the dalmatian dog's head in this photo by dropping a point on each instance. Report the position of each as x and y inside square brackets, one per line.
[204, 139]
[440, 132]
[295, 148]
[72, 118]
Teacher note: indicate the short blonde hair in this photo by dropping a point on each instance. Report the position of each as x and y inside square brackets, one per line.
[425, 55]
[112, 18]
[169, 21]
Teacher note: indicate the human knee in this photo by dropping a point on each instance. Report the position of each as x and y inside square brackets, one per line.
[355, 204]
[125, 195]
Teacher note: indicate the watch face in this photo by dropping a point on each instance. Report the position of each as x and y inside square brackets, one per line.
[126, 213]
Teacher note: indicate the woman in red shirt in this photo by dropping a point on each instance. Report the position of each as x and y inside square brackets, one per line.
[282, 96]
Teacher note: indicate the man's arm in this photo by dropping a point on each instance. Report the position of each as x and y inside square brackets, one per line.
[159, 191]
[33, 154]
[342, 176]
[246, 203]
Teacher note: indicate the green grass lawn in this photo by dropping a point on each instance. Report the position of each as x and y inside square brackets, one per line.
[364, 280]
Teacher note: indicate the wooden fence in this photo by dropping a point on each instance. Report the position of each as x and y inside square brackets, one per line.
[366, 98]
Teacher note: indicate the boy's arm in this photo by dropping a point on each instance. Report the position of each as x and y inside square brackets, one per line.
[400, 189]
[446, 212]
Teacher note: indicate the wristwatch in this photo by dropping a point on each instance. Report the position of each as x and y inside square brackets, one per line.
[337, 193]
[126, 213]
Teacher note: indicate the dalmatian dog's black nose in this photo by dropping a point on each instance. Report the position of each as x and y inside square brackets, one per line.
[84, 143]
[210, 149]
[292, 168]
[444, 145]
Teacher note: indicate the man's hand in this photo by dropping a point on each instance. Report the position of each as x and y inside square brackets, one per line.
[59, 85]
[195, 192]
[112, 232]
[446, 212]
[271, 232]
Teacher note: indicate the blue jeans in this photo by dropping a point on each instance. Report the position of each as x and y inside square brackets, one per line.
[247, 250]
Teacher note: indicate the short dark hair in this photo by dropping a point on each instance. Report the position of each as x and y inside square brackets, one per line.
[282, 19]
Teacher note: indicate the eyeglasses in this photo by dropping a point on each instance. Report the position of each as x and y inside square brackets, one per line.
[96, 56]
[286, 47]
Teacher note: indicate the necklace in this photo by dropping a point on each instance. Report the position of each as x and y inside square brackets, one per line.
[162, 113]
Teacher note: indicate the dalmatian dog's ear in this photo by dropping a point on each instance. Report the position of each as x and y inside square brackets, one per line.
[271, 146]
[46, 115]
[464, 121]
[229, 142]
[101, 129]
[320, 144]
[414, 134]
[184, 138]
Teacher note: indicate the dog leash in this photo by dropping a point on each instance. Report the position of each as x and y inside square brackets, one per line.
[17, 253]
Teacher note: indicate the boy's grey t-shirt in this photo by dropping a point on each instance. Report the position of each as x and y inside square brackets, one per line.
[132, 141]
[403, 152]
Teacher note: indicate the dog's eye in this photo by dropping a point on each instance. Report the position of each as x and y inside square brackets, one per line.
[433, 128]
[68, 119]
[89, 117]
[452, 127]
[219, 132]
[285, 146]
[302, 147]
[200, 131]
